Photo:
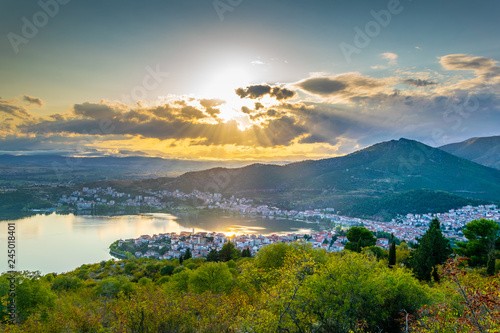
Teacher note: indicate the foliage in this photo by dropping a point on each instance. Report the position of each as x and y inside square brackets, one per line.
[358, 238]
[433, 249]
[229, 252]
[392, 253]
[483, 239]
[287, 287]
[477, 308]
[187, 255]
[32, 294]
[63, 282]
[214, 277]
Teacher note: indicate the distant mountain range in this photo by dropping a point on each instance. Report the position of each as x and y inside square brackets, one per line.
[29, 169]
[485, 151]
[388, 178]
[376, 173]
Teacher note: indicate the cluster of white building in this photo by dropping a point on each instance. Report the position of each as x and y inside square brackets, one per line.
[408, 227]
[88, 198]
[200, 243]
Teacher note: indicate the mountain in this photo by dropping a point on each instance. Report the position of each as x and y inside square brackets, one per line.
[485, 151]
[341, 182]
[29, 169]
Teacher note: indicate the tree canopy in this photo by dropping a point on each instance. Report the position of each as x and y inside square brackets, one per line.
[359, 237]
[483, 240]
[433, 249]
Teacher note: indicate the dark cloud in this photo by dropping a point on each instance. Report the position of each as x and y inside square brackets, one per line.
[485, 68]
[57, 116]
[347, 86]
[466, 62]
[33, 100]
[258, 91]
[210, 106]
[419, 82]
[322, 86]
[14, 110]
[246, 110]
[95, 111]
[190, 112]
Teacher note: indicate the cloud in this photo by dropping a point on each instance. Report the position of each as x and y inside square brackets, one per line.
[419, 82]
[14, 110]
[95, 111]
[33, 100]
[485, 68]
[322, 86]
[210, 106]
[392, 58]
[258, 91]
[348, 86]
[339, 112]
[257, 62]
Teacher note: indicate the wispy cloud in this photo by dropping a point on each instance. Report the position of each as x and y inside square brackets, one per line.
[33, 100]
[392, 58]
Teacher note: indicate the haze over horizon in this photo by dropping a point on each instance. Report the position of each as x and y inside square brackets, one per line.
[245, 80]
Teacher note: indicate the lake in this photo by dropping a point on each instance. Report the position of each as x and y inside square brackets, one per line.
[60, 243]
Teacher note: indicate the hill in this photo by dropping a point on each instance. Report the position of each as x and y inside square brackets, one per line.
[485, 151]
[420, 201]
[31, 169]
[386, 168]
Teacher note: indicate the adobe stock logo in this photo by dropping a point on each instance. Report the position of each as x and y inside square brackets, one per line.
[30, 28]
[363, 38]
[222, 7]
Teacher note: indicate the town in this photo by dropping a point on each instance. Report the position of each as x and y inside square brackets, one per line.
[166, 246]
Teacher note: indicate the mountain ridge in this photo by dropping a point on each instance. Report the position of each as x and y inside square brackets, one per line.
[482, 150]
[384, 168]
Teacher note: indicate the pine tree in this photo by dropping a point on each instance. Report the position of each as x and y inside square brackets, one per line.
[187, 254]
[213, 255]
[392, 252]
[433, 249]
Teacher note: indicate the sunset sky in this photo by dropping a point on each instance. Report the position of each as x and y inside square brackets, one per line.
[248, 80]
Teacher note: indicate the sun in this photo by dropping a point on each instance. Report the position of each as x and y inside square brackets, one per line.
[222, 82]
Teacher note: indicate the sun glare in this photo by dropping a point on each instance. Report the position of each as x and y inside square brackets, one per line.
[222, 83]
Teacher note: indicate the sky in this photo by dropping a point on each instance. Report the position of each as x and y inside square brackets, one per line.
[247, 80]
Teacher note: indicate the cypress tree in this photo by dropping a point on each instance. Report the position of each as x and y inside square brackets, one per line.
[392, 252]
[187, 254]
[433, 249]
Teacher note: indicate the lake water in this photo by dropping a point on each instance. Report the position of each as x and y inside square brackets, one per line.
[60, 243]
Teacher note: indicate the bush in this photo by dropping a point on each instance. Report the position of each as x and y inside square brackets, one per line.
[66, 283]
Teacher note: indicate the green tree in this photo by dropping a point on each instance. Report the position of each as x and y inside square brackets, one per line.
[229, 252]
[392, 252]
[358, 238]
[433, 249]
[483, 240]
[32, 294]
[212, 276]
[213, 255]
[246, 253]
[187, 254]
[66, 283]
[167, 270]
[356, 293]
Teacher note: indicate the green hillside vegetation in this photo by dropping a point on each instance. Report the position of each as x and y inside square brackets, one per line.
[415, 202]
[285, 288]
[22, 200]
